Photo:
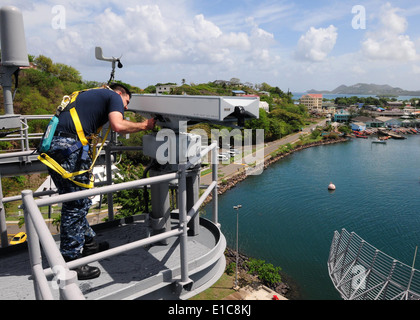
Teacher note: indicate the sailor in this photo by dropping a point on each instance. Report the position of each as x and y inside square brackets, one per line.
[94, 108]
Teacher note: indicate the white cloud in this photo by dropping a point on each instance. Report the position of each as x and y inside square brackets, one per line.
[416, 69]
[389, 42]
[256, 41]
[146, 34]
[316, 44]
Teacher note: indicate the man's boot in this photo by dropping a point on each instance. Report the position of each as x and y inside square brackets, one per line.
[93, 247]
[85, 272]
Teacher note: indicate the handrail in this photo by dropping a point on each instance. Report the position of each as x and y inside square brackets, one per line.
[24, 136]
[38, 232]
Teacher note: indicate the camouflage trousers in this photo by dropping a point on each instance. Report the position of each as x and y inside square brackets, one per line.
[74, 228]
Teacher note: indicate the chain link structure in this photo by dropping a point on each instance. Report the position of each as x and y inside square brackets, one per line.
[359, 271]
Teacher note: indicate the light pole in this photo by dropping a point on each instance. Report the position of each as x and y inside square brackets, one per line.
[237, 243]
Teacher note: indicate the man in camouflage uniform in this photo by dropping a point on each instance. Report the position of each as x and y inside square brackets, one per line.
[95, 108]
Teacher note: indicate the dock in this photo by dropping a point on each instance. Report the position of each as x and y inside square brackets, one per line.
[391, 134]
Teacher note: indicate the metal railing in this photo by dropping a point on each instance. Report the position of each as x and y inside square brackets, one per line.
[24, 136]
[359, 271]
[65, 280]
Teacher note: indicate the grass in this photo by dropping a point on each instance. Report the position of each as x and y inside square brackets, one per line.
[221, 289]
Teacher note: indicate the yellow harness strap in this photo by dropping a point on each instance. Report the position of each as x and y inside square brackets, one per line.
[78, 126]
[54, 165]
[51, 163]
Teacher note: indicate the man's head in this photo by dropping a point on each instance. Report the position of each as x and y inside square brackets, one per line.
[123, 92]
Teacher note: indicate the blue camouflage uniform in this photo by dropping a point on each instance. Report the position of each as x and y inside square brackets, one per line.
[93, 108]
[75, 229]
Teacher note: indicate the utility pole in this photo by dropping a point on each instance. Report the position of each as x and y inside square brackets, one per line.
[237, 243]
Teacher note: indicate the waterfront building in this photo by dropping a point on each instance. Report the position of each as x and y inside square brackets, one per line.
[342, 116]
[389, 122]
[370, 122]
[358, 126]
[313, 102]
[329, 108]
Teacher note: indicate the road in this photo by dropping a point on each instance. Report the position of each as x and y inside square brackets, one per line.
[227, 171]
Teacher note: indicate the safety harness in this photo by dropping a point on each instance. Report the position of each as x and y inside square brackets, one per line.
[69, 104]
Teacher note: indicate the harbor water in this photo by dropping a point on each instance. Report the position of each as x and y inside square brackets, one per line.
[288, 215]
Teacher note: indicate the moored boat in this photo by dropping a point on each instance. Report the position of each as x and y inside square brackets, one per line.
[382, 141]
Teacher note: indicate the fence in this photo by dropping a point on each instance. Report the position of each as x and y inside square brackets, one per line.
[359, 271]
[65, 279]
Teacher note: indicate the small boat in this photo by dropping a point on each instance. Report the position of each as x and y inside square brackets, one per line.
[361, 136]
[384, 138]
[379, 141]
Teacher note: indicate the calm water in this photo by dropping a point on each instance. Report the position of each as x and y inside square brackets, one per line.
[288, 217]
[298, 95]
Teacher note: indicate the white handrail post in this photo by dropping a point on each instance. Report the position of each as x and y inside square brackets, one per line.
[34, 247]
[66, 280]
[215, 168]
[183, 220]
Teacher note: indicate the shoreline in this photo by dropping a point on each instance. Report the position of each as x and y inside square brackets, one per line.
[232, 181]
[288, 287]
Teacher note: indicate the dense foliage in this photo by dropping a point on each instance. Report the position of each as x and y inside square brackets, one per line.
[267, 272]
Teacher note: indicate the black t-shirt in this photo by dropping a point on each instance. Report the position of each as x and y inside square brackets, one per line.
[93, 107]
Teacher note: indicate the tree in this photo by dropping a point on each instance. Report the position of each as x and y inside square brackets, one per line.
[150, 89]
[131, 201]
[261, 123]
[67, 73]
[264, 87]
[45, 64]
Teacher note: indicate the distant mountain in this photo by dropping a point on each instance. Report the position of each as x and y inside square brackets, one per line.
[368, 89]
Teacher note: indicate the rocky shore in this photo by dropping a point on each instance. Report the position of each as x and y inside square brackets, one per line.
[246, 279]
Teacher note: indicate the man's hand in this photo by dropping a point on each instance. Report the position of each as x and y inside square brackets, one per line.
[150, 124]
[120, 125]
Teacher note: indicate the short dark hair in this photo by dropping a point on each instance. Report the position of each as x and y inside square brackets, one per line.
[120, 87]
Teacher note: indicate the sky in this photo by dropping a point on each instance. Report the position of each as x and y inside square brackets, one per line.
[293, 45]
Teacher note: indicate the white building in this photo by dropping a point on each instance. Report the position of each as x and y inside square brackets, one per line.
[166, 88]
[264, 105]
